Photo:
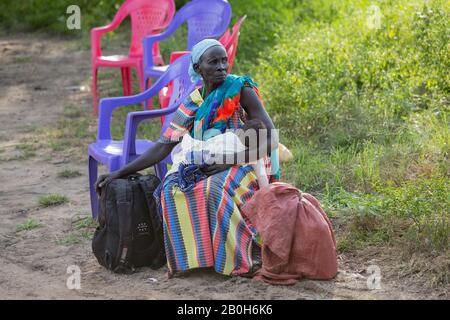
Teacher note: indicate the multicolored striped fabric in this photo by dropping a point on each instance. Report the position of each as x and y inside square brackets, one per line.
[203, 227]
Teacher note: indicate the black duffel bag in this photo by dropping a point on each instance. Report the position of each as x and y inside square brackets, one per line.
[130, 232]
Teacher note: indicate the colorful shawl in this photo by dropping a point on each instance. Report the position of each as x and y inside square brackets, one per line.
[212, 116]
[203, 119]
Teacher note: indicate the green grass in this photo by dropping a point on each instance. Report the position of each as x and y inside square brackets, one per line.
[69, 240]
[52, 200]
[60, 144]
[29, 128]
[414, 214]
[22, 59]
[26, 147]
[82, 229]
[69, 173]
[21, 156]
[24, 151]
[87, 234]
[84, 223]
[70, 134]
[30, 224]
[72, 112]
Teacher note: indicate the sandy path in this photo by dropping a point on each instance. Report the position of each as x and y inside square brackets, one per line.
[39, 76]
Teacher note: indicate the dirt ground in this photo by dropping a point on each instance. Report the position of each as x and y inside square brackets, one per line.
[39, 77]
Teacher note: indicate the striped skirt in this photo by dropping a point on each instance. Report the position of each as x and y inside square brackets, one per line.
[203, 227]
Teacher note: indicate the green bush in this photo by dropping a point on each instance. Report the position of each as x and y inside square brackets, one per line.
[416, 214]
[365, 112]
[51, 16]
[341, 83]
[425, 203]
[261, 29]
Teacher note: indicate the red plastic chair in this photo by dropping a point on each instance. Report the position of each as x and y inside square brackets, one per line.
[166, 92]
[147, 18]
[229, 40]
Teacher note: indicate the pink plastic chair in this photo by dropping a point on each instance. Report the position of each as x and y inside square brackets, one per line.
[147, 17]
[229, 40]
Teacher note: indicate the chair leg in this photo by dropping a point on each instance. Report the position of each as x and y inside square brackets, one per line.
[94, 90]
[161, 170]
[140, 75]
[125, 81]
[93, 170]
[130, 80]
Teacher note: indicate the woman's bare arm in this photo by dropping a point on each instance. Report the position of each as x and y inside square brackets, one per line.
[255, 110]
[149, 158]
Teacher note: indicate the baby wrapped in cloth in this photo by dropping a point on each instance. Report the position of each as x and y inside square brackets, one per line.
[217, 150]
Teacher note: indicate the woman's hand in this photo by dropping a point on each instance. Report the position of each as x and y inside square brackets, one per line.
[152, 156]
[215, 168]
[103, 180]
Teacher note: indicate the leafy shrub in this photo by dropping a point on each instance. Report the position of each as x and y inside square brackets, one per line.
[33, 15]
[342, 83]
[425, 203]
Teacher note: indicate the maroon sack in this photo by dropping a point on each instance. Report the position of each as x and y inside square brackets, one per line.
[297, 236]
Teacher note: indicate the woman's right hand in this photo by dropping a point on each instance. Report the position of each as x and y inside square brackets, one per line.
[103, 180]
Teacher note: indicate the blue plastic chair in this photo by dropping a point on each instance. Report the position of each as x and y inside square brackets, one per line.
[115, 154]
[205, 19]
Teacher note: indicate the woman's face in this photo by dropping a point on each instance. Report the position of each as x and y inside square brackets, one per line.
[213, 65]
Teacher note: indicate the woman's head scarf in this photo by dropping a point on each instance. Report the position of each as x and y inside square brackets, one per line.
[197, 51]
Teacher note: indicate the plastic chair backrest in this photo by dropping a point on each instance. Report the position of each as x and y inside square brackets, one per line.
[147, 17]
[180, 86]
[177, 72]
[205, 19]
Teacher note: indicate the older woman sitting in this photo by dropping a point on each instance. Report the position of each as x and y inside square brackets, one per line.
[203, 226]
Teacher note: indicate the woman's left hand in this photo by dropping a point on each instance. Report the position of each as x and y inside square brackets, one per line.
[215, 168]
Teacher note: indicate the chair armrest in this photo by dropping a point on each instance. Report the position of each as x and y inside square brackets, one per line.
[174, 55]
[96, 34]
[132, 123]
[107, 106]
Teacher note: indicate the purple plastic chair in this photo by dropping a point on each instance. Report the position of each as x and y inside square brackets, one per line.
[205, 19]
[115, 154]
